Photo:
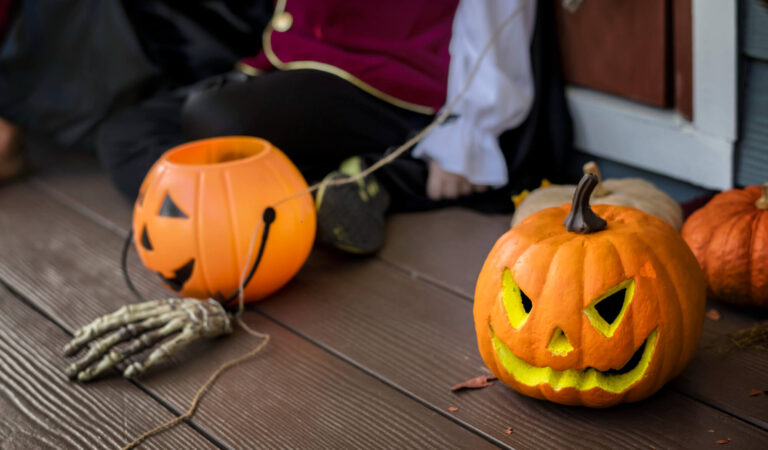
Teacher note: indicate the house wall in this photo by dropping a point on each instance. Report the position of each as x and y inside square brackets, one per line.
[752, 154]
[698, 151]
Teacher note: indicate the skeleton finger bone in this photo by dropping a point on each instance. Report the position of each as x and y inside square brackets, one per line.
[123, 316]
[114, 357]
[102, 346]
[144, 325]
[125, 311]
[187, 336]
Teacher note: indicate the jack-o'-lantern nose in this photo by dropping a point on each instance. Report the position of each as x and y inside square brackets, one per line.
[559, 344]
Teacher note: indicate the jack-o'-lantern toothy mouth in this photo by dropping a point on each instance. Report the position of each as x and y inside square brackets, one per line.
[180, 276]
[612, 380]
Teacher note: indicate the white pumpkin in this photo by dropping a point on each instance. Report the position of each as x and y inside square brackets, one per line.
[633, 192]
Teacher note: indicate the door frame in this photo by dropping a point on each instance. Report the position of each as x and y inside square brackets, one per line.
[701, 151]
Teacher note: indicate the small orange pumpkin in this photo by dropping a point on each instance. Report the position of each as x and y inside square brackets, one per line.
[729, 237]
[603, 309]
[199, 206]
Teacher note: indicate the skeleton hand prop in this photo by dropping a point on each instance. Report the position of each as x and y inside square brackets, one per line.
[145, 324]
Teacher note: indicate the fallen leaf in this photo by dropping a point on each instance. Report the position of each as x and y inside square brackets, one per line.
[713, 314]
[711, 430]
[723, 441]
[508, 430]
[475, 383]
[755, 392]
[453, 409]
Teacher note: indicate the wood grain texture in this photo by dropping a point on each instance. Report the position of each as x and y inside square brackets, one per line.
[618, 47]
[421, 339]
[702, 379]
[722, 375]
[416, 328]
[447, 247]
[293, 395]
[40, 408]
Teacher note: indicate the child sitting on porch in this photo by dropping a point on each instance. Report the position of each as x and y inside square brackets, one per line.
[338, 84]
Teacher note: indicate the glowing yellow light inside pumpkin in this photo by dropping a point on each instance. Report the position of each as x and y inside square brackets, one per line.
[582, 380]
[607, 329]
[512, 299]
[559, 344]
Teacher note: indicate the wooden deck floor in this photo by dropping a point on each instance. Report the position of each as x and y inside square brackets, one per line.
[363, 354]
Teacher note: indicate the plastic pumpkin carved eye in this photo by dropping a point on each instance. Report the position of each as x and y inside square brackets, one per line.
[516, 303]
[608, 310]
[169, 209]
[145, 242]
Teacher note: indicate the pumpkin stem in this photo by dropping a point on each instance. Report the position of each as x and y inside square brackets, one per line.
[762, 202]
[591, 167]
[582, 219]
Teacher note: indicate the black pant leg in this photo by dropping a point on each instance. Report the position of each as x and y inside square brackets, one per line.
[316, 118]
[131, 140]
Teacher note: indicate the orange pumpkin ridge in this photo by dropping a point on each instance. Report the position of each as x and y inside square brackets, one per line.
[637, 264]
[201, 203]
[729, 237]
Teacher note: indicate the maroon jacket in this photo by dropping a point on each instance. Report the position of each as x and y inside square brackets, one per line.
[396, 50]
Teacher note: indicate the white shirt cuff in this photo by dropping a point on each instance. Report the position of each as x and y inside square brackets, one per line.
[464, 149]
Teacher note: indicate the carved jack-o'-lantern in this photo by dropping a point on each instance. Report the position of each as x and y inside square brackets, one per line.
[198, 208]
[604, 309]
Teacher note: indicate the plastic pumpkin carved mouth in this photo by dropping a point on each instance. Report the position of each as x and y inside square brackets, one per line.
[180, 276]
[613, 380]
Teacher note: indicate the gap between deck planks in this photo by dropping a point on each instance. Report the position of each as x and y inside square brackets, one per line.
[710, 377]
[463, 242]
[40, 408]
[304, 397]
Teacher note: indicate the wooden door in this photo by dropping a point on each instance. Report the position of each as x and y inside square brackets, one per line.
[636, 49]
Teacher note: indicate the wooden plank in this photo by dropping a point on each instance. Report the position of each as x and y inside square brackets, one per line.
[41, 409]
[425, 339]
[616, 47]
[421, 339]
[723, 376]
[703, 378]
[77, 180]
[293, 395]
[447, 247]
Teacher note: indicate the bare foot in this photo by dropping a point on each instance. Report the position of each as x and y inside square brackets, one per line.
[12, 161]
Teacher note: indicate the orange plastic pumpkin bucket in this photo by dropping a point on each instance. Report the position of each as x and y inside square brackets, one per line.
[198, 208]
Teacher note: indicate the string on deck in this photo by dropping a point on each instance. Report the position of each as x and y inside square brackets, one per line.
[246, 274]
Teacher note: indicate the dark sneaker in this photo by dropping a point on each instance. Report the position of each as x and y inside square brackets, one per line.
[350, 217]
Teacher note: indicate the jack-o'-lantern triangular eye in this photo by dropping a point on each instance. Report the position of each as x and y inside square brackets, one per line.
[169, 209]
[607, 312]
[145, 242]
[517, 304]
